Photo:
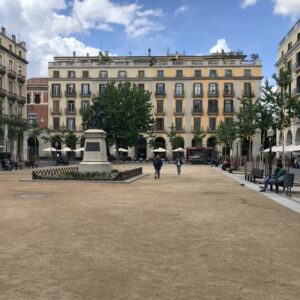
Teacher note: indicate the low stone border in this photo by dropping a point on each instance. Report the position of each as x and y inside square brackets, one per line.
[56, 173]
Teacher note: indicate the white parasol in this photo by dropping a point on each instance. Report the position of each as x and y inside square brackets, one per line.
[79, 149]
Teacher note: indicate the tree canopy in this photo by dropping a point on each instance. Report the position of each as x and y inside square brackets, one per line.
[127, 113]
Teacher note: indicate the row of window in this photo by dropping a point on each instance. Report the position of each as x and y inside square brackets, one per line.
[10, 65]
[197, 106]
[160, 89]
[212, 124]
[10, 47]
[290, 45]
[160, 73]
[11, 87]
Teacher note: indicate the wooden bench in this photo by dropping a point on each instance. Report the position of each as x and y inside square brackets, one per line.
[287, 183]
[253, 174]
[17, 165]
[31, 164]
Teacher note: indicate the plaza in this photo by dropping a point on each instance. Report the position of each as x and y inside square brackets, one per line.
[200, 235]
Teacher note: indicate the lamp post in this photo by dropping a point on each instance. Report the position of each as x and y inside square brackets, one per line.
[6, 146]
[237, 146]
[56, 153]
[270, 134]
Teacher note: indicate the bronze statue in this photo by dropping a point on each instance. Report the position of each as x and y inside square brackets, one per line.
[95, 121]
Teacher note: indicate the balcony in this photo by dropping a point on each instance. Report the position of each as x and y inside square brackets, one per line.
[55, 94]
[197, 111]
[72, 128]
[70, 94]
[213, 93]
[296, 67]
[2, 69]
[296, 91]
[228, 111]
[11, 96]
[3, 92]
[21, 99]
[197, 94]
[179, 129]
[247, 93]
[160, 113]
[179, 95]
[211, 129]
[228, 93]
[179, 112]
[70, 111]
[85, 94]
[213, 111]
[55, 111]
[21, 78]
[159, 128]
[11, 74]
[195, 129]
[160, 94]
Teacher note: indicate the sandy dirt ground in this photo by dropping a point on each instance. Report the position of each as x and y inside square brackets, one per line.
[199, 235]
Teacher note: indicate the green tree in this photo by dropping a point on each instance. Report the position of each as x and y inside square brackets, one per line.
[198, 137]
[71, 140]
[16, 126]
[226, 134]
[175, 141]
[34, 132]
[127, 113]
[282, 106]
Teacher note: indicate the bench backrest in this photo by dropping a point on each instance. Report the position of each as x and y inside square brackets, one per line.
[288, 180]
[258, 173]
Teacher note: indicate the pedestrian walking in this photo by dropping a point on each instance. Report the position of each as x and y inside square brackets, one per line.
[157, 163]
[178, 164]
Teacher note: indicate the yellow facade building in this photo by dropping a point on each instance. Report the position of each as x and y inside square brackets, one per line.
[288, 57]
[13, 65]
[191, 92]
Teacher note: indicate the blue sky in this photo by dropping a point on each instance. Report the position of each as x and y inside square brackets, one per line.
[57, 27]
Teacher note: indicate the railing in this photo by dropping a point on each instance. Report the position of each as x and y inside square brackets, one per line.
[211, 111]
[247, 93]
[70, 111]
[179, 94]
[12, 74]
[55, 111]
[177, 112]
[296, 66]
[228, 111]
[228, 93]
[296, 90]
[163, 112]
[22, 99]
[2, 69]
[159, 129]
[70, 93]
[213, 93]
[179, 129]
[11, 96]
[160, 94]
[197, 94]
[195, 129]
[85, 94]
[55, 94]
[3, 92]
[209, 129]
[197, 111]
[50, 173]
[21, 78]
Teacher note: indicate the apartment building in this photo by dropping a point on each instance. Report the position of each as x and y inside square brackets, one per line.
[191, 92]
[288, 56]
[37, 115]
[12, 91]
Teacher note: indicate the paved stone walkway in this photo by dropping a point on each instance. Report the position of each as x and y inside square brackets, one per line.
[200, 235]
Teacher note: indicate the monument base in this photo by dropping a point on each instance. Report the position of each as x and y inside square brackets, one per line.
[94, 166]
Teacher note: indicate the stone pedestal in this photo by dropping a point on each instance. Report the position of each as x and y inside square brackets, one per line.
[95, 156]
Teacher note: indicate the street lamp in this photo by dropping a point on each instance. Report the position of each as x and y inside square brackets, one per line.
[237, 146]
[270, 134]
[6, 146]
[56, 153]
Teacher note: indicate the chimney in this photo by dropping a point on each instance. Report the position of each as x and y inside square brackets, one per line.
[149, 52]
[106, 53]
[74, 53]
[13, 37]
[3, 30]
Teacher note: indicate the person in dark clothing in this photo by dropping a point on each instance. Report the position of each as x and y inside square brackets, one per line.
[157, 163]
[279, 171]
[178, 164]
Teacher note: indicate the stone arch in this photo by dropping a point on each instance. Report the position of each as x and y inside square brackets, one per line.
[211, 142]
[297, 137]
[289, 138]
[160, 142]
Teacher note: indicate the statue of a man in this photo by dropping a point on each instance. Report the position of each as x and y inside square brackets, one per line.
[96, 120]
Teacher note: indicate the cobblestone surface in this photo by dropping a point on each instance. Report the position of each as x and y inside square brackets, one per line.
[200, 235]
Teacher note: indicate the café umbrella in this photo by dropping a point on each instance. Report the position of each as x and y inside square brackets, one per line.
[122, 150]
[51, 149]
[178, 150]
[66, 149]
[159, 149]
[79, 149]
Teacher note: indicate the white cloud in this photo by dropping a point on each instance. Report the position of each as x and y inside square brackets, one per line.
[219, 46]
[181, 10]
[247, 3]
[287, 8]
[47, 29]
